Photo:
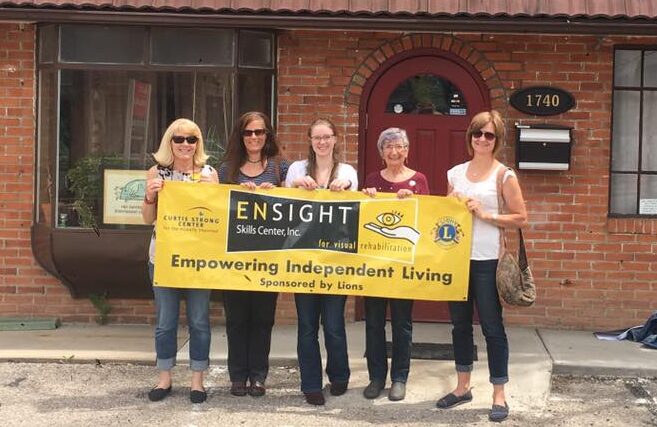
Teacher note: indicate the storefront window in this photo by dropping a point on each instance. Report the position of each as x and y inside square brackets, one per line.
[101, 44]
[192, 46]
[107, 93]
[114, 119]
[256, 49]
[634, 142]
[251, 87]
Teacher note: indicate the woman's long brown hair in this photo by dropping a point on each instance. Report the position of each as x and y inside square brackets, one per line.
[236, 155]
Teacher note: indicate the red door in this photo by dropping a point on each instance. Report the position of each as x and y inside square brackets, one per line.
[432, 95]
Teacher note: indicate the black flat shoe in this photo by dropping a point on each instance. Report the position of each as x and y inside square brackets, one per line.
[315, 398]
[451, 400]
[156, 394]
[338, 389]
[499, 413]
[198, 396]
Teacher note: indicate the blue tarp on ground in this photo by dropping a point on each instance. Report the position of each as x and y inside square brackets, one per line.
[646, 334]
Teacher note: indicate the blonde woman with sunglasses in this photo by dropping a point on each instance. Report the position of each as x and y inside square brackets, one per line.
[180, 157]
[475, 182]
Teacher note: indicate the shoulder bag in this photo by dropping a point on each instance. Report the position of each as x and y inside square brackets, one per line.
[515, 282]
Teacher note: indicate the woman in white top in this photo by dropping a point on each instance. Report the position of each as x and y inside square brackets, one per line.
[475, 182]
[321, 170]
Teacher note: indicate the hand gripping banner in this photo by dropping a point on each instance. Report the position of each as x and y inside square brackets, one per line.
[293, 240]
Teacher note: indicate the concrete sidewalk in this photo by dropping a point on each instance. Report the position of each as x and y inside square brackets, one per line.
[535, 356]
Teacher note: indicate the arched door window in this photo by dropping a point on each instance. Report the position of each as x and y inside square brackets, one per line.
[426, 94]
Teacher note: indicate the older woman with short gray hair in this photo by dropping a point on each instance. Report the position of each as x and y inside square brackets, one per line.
[390, 135]
[396, 177]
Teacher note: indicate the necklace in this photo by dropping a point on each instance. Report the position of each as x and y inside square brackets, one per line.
[476, 174]
[253, 161]
[323, 177]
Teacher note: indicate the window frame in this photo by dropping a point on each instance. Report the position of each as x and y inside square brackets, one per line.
[638, 172]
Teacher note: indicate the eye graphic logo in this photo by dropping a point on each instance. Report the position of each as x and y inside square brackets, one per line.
[447, 232]
[390, 220]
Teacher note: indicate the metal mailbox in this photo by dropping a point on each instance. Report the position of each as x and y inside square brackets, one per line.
[543, 147]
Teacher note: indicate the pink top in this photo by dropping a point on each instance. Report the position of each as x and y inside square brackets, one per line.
[417, 183]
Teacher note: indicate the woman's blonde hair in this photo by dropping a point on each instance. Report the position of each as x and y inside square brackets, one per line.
[479, 121]
[164, 154]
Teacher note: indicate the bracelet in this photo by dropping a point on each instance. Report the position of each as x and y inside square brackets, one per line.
[150, 202]
[494, 217]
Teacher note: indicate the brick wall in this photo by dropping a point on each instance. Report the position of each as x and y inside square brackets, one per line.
[592, 272]
[24, 287]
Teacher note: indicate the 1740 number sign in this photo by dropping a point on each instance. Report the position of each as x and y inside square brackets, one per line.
[542, 100]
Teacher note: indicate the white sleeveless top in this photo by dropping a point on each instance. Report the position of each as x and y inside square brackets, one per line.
[485, 236]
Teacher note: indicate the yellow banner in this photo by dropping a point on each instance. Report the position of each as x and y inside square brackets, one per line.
[292, 240]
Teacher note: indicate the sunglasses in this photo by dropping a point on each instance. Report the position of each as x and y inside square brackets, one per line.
[178, 139]
[256, 132]
[489, 136]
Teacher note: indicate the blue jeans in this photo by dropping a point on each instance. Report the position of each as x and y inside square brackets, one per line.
[330, 308]
[483, 292]
[375, 338]
[167, 305]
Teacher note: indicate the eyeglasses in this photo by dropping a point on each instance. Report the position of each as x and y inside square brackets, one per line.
[256, 132]
[179, 139]
[321, 138]
[398, 147]
[489, 136]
